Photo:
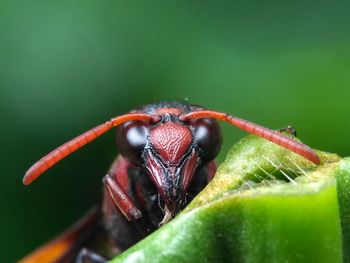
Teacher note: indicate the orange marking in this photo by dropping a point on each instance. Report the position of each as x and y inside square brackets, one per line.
[57, 248]
[174, 111]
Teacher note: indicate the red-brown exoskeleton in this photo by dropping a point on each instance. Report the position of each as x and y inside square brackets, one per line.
[167, 153]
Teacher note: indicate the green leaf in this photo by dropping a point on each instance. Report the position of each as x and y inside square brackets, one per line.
[265, 204]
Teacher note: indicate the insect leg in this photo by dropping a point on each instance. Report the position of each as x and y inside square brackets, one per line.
[86, 255]
[212, 167]
[289, 129]
[121, 199]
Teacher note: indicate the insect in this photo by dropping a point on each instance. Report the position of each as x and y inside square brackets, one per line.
[167, 153]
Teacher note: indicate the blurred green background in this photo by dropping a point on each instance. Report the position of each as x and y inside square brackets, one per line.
[67, 66]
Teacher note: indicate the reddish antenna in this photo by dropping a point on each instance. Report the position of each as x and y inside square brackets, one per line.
[71, 146]
[258, 130]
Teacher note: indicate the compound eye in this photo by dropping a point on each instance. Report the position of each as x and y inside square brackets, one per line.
[208, 138]
[132, 139]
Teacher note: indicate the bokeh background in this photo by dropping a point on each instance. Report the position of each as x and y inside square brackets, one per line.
[67, 66]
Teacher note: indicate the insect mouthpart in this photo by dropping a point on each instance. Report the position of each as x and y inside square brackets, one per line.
[171, 181]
